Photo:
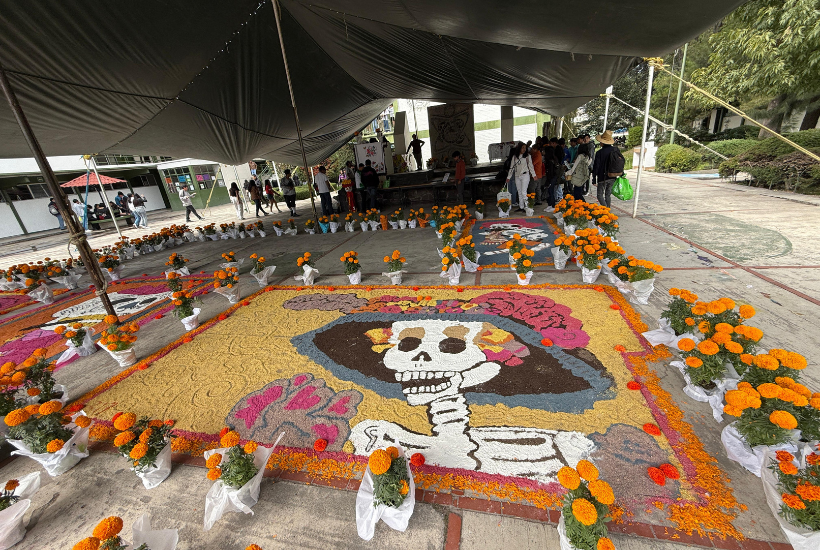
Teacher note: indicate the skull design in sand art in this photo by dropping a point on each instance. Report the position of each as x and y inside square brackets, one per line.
[498, 233]
[436, 362]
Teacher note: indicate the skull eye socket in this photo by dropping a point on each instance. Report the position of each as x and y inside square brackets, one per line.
[409, 344]
[452, 345]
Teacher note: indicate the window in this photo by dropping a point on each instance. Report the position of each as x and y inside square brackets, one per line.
[205, 175]
[177, 178]
[39, 191]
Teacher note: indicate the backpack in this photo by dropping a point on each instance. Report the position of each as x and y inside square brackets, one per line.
[615, 164]
[52, 209]
[138, 201]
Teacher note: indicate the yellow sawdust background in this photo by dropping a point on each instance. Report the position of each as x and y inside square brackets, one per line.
[198, 383]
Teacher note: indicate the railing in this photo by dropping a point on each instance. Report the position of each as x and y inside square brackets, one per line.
[114, 160]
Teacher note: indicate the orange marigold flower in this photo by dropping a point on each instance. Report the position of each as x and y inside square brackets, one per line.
[584, 511]
[767, 362]
[746, 311]
[379, 462]
[587, 470]
[733, 347]
[125, 421]
[213, 461]
[732, 410]
[725, 328]
[569, 478]
[747, 358]
[16, 417]
[707, 347]
[253, 547]
[793, 502]
[82, 421]
[55, 445]
[108, 528]
[605, 544]
[783, 419]
[404, 488]
[139, 451]
[146, 435]
[788, 468]
[89, 543]
[11, 485]
[214, 474]
[393, 452]
[602, 491]
[686, 344]
[230, 439]
[124, 438]
[807, 491]
[694, 362]
[250, 447]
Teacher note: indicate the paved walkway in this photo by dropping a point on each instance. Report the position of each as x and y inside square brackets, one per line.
[713, 238]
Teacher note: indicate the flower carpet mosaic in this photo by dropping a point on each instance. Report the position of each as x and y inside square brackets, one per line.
[489, 237]
[135, 300]
[12, 301]
[497, 387]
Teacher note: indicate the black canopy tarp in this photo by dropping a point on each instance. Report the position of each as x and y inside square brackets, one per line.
[205, 78]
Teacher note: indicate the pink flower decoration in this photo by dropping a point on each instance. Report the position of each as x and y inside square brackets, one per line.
[566, 338]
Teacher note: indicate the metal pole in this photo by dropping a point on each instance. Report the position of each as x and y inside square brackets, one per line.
[606, 107]
[677, 101]
[105, 195]
[78, 236]
[293, 103]
[643, 141]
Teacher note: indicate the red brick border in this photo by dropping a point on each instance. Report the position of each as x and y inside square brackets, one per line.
[453, 540]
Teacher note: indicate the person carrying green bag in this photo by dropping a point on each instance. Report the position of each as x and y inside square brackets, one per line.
[608, 165]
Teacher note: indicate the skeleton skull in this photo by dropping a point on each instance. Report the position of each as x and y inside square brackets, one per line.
[434, 359]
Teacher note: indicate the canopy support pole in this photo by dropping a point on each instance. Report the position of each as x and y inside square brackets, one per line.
[105, 195]
[606, 107]
[643, 140]
[78, 236]
[677, 101]
[308, 173]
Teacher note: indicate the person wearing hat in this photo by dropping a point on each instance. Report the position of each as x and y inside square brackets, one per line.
[600, 175]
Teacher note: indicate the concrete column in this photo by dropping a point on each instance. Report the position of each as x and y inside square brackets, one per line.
[401, 133]
[507, 123]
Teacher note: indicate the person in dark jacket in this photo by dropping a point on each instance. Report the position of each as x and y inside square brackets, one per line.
[370, 180]
[256, 196]
[600, 177]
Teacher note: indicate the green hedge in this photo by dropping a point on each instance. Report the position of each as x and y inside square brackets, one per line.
[771, 148]
[730, 148]
[634, 137]
[675, 158]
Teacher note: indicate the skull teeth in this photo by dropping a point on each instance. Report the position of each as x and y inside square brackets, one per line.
[428, 389]
[421, 375]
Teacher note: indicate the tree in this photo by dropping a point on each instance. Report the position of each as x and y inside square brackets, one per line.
[631, 87]
[766, 56]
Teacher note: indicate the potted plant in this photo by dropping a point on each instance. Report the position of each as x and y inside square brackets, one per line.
[637, 277]
[277, 228]
[237, 470]
[450, 265]
[423, 218]
[790, 485]
[309, 271]
[78, 341]
[447, 233]
[36, 287]
[291, 230]
[386, 493]
[259, 271]
[395, 263]
[226, 283]
[260, 228]
[41, 433]
[334, 223]
[184, 309]
[146, 444]
[241, 230]
[576, 217]
[177, 264]
[118, 340]
[350, 219]
[514, 245]
[39, 380]
[469, 255]
[352, 268]
[310, 227]
[564, 245]
[503, 208]
[479, 209]
[586, 508]
[523, 265]
[530, 209]
[110, 264]
[473, 159]
[411, 219]
[106, 536]
[14, 503]
[231, 261]
[324, 224]
[588, 253]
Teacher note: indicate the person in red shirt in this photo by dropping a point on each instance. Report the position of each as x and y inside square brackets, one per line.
[461, 174]
[538, 163]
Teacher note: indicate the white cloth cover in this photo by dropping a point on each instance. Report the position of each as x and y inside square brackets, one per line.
[502, 214]
[12, 285]
[526, 280]
[641, 290]
[308, 276]
[365, 226]
[528, 211]
[161, 539]
[42, 294]
[334, 227]
[750, 458]
[68, 281]
[590, 275]
[559, 257]
[569, 229]
[355, 278]
[221, 498]
[251, 233]
[13, 524]
[452, 274]
[402, 224]
[469, 265]
[368, 515]
[237, 264]
[277, 230]
[261, 233]
[393, 225]
[87, 348]
[74, 450]
[349, 227]
[216, 236]
[374, 226]
[242, 234]
[232, 294]
[181, 272]
[666, 336]
[125, 358]
[291, 232]
[479, 215]
[263, 276]
[799, 537]
[395, 276]
[412, 224]
[152, 477]
[713, 397]
[310, 231]
[191, 322]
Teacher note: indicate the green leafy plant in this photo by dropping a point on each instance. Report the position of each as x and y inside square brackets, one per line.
[142, 440]
[390, 488]
[238, 469]
[7, 497]
[675, 158]
[43, 430]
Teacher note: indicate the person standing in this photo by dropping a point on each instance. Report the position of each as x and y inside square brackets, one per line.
[538, 164]
[322, 186]
[289, 192]
[52, 209]
[139, 210]
[256, 196]
[79, 211]
[185, 197]
[579, 173]
[370, 180]
[603, 172]
[357, 177]
[521, 169]
[461, 174]
[416, 145]
[236, 200]
[269, 191]
[252, 166]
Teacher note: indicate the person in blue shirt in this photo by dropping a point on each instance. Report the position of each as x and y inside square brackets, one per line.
[573, 149]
